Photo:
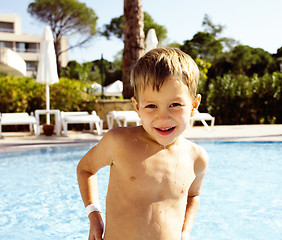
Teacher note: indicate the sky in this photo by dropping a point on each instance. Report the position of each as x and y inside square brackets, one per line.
[257, 23]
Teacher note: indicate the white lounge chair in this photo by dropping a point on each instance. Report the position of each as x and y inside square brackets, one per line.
[125, 116]
[81, 117]
[19, 119]
[203, 117]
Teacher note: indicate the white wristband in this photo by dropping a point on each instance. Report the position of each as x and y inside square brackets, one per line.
[92, 208]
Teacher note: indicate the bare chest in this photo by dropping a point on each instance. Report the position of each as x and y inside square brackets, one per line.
[155, 178]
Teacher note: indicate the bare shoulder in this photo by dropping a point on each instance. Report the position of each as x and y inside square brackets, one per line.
[200, 157]
[121, 133]
[107, 148]
[121, 144]
[119, 137]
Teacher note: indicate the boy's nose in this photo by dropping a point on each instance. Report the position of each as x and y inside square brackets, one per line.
[163, 114]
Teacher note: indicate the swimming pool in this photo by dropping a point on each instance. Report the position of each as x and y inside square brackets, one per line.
[241, 195]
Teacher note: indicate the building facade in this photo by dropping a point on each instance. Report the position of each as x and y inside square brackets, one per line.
[13, 42]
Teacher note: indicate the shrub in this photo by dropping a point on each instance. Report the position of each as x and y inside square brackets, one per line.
[22, 94]
[237, 99]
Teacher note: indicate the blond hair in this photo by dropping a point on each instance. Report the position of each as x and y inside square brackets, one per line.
[157, 65]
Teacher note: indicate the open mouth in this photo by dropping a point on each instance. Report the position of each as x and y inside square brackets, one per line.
[165, 130]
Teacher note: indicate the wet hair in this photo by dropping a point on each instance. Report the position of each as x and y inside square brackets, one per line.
[154, 68]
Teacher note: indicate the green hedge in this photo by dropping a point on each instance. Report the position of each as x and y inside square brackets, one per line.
[238, 99]
[232, 99]
[21, 94]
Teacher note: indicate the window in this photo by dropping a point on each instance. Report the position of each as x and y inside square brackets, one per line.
[32, 47]
[20, 47]
[27, 47]
[7, 27]
[7, 44]
[31, 66]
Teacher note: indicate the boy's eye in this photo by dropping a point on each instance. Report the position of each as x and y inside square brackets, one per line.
[175, 104]
[151, 106]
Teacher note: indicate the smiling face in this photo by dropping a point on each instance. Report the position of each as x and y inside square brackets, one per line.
[165, 113]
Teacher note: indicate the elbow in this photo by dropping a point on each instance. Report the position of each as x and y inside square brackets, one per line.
[194, 199]
[78, 172]
[78, 169]
[81, 171]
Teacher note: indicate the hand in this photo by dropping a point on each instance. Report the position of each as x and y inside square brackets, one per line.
[185, 236]
[96, 226]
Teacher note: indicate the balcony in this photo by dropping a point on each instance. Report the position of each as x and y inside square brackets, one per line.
[28, 50]
[6, 30]
[11, 63]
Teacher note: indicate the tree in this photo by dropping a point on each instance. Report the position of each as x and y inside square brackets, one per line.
[215, 30]
[243, 60]
[277, 66]
[115, 27]
[221, 65]
[74, 70]
[133, 40]
[246, 60]
[65, 18]
[174, 45]
[279, 52]
[210, 27]
[203, 45]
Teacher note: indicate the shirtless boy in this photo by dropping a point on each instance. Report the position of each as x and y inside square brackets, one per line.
[156, 174]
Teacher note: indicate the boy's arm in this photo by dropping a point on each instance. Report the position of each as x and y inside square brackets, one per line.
[193, 200]
[89, 193]
[190, 214]
[96, 158]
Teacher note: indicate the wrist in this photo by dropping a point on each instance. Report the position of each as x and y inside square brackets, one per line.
[92, 208]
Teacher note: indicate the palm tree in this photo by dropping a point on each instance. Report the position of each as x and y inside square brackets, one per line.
[133, 40]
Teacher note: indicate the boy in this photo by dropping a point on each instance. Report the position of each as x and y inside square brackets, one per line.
[156, 174]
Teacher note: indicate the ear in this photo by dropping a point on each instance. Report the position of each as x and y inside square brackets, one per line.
[196, 104]
[135, 103]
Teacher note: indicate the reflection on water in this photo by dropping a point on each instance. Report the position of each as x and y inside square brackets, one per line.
[241, 195]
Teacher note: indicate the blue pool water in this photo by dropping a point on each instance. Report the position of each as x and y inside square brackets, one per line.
[241, 196]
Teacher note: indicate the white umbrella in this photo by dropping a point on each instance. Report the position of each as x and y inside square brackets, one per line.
[96, 88]
[151, 40]
[47, 69]
[114, 89]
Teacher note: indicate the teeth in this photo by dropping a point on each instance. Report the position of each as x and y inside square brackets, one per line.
[165, 129]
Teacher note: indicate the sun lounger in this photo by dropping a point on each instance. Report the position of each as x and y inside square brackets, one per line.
[19, 119]
[203, 117]
[125, 116]
[81, 117]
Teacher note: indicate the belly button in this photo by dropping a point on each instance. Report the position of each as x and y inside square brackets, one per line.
[132, 178]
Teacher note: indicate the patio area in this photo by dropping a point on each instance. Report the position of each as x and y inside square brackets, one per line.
[17, 141]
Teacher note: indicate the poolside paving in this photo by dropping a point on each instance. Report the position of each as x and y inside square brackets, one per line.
[259, 132]
[13, 141]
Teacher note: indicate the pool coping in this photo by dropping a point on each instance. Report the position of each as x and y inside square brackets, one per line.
[221, 133]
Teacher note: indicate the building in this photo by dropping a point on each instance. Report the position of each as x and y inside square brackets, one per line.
[19, 52]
